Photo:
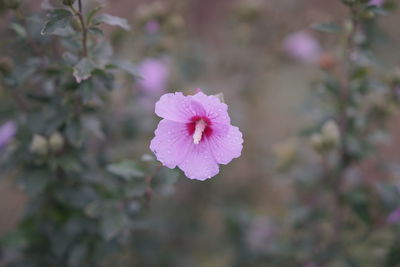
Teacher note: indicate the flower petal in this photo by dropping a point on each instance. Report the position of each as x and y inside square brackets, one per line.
[177, 107]
[171, 142]
[226, 147]
[216, 111]
[199, 163]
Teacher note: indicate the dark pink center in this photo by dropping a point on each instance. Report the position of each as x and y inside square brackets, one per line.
[191, 126]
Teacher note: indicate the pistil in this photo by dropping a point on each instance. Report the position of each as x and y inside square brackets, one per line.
[199, 130]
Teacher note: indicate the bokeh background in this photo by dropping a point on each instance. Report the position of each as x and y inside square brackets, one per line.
[235, 47]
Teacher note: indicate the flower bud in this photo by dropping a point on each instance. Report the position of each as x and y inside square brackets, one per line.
[56, 142]
[39, 145]
[327, 139]
[330, 132]
[317, 142]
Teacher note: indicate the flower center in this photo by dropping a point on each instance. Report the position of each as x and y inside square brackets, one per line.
[200, 126]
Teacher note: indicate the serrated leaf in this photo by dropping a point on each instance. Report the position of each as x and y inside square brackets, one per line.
[327, 27]
[83, 70]
[113, 21]
[126, 169]
[58, 18]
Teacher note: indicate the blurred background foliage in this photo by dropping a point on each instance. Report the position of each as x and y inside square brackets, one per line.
[313, 85]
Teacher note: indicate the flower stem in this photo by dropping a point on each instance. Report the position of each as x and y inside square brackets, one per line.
[79, 14]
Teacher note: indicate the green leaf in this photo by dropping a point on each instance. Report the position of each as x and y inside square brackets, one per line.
[74, 133]
[327, 27]
[94, 209]
[126, 169]
[127, 66]
[136, 189]
[112, 224]
[19, 30]
[83, 70]
[34, 182]
[101, 53]
[360, 203]
[388, 194]
[393, 255]
[58, 18]
[77, 254]
[96, 31]
[113, 21]
[91, 14]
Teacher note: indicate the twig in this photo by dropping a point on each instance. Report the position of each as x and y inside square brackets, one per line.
[79, 14]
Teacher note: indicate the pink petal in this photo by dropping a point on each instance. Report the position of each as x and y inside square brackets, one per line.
[216, 111]
[226, 147]
[177, 107]
[199, 163]
[171, 142]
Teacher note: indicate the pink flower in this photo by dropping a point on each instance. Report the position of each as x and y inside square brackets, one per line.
[394, 217]
[195, 134]
[7, 132]
[302, 46]
[152, 26]
[154, 74]
[376, 2]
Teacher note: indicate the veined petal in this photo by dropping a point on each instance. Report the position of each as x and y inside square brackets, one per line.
[171, 142]
[215, 110]
[199, 162]
[225, 148]
[177, 107]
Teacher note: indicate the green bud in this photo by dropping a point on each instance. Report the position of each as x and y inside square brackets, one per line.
[317, 142]
[331, 133]
[68, 2]
[56, 142]
[327, 139]
[39, 145]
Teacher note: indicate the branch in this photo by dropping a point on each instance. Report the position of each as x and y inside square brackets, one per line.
[79, 14]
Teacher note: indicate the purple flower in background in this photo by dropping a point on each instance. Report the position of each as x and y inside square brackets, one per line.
[302, 46]
[394, 217]
[195, 134]
[152, 26]
[154, 74]
[376, 2]
[7, 132]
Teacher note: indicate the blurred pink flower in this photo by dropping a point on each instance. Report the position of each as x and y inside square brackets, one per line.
[7, 132]
[302, 46]
[152, 26]
[154, 74]
[195, 134]
[394, 217]
[376, 2]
